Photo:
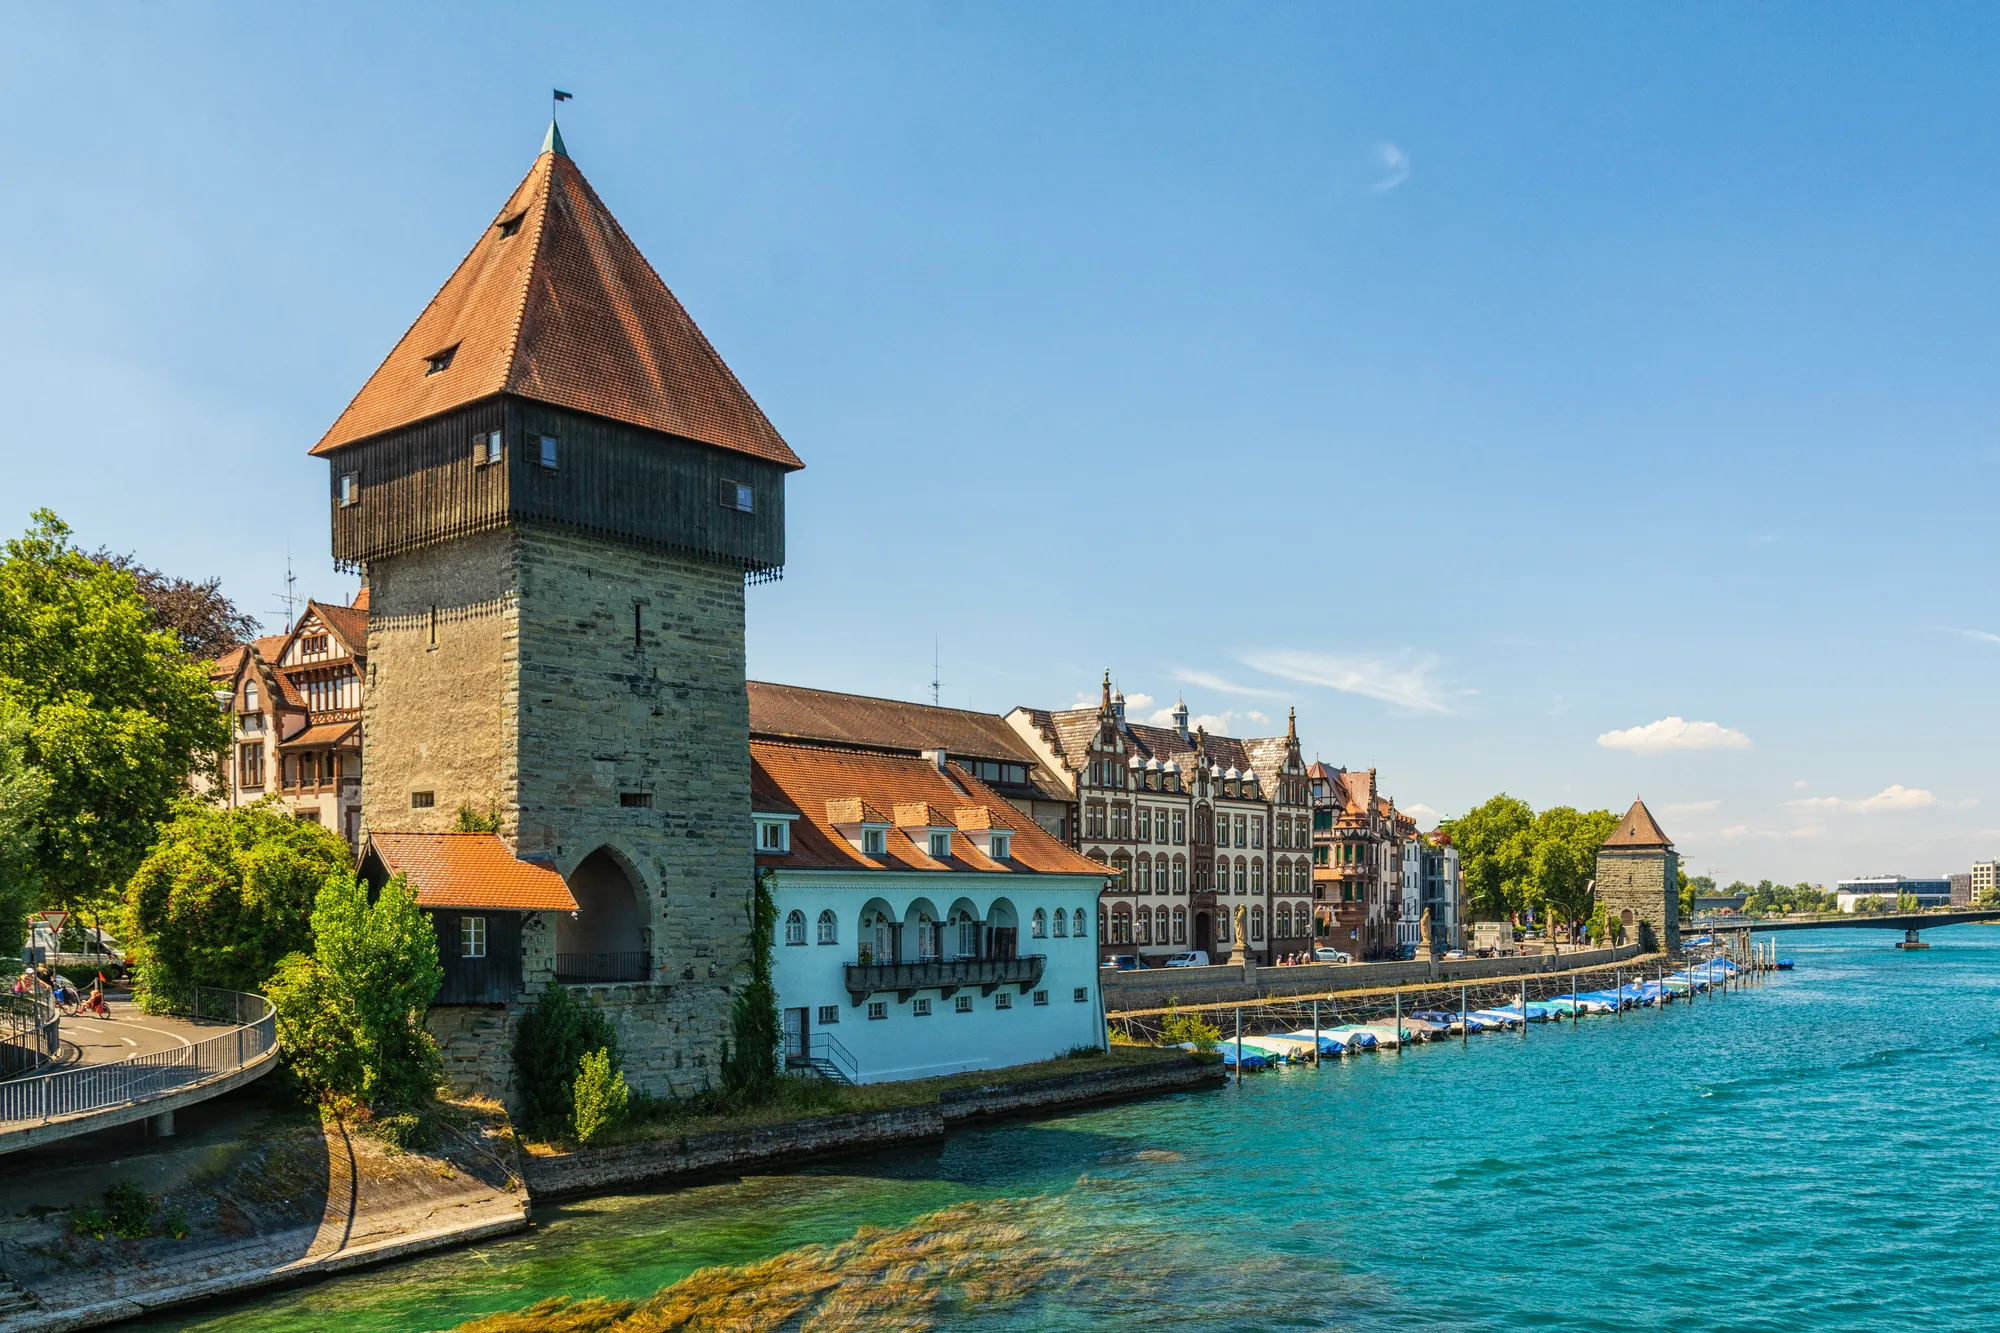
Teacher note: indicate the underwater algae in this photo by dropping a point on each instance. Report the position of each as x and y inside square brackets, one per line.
[975, 1257]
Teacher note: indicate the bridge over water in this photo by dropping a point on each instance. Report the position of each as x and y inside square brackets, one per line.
[1907, 922]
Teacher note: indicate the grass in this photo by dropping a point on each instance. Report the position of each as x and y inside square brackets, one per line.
[801, 1097]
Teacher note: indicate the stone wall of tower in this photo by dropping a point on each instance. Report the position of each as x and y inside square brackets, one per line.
[507, 670]
[1645, 882]
[441, 706]
[606, 707]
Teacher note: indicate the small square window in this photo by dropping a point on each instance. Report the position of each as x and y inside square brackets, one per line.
[1002, 846]
[509, 226]
[1041, 997]
[739, 496]
[874, 842]
[472, 937]
[486, 447]
[423, 800]
[773, 837]
[1003, 1001]
[963, 1004]
[439, 362]
[829, 1015]
[921, 1008]
[1081, 995]
[635, 800]
[940, 846]
[350, 488]
[547, 446]
[878, 1009]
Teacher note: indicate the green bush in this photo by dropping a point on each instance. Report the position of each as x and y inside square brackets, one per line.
[127, 1213]
[549, 1048]
[225, 895]
[1179, 1027]
[351, 1016]
[601, 1098]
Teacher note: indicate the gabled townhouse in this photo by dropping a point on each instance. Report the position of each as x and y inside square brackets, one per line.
[295, 704]
[926, 926]
[1193, 827]
[1357, 854]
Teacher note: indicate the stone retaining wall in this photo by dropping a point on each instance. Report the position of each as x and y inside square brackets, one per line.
[656, 1161]
[1155, 988]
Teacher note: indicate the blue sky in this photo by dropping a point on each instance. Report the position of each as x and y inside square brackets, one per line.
[1495, 384]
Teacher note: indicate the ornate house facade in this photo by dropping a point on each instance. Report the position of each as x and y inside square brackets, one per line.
[1358, 837]
[1191, 825]
[295, 705]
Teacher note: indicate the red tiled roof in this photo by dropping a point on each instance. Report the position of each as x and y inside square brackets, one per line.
[823, 784]
[565, 310]
[320, 734]
[360, 602]
[350, 623]
[471, 870]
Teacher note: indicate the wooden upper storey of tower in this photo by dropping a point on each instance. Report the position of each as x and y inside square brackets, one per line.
[555, 328]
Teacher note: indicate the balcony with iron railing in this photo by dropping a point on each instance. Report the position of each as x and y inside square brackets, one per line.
[633, 965]
[945, 975]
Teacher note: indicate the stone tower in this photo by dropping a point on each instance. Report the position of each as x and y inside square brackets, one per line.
[557, 492]
[1638, 880]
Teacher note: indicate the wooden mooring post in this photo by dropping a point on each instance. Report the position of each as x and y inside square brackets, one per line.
[1239, 1043]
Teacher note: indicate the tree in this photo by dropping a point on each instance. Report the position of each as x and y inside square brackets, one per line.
[470, 820]
[119, 717]
[1495, 846]
[197, 614]
[755, 1033]
[23, 792]
[225, 895]
[1563, 859]
[601, 1096]
[351, 1015]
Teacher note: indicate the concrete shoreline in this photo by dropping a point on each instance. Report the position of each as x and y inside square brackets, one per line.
[407, 1227]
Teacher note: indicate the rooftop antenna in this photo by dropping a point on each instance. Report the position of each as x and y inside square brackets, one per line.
[290, 596]
[937, 682]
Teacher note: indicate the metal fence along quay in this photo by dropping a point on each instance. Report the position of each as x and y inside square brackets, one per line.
[88, 1088]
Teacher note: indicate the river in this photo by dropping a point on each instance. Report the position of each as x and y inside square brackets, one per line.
[1818, 1151]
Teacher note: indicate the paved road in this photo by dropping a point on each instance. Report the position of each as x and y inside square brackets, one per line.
[131, 1031]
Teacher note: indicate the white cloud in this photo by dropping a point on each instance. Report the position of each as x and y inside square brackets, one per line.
[1735, 831]
[1209, 681]
[1395, 165]
[1893, 797]
[1691, 807]
[1977, 635]
[1256, 716]
[1800, 785]
[1423, 814]
[1138, 703]
[1162, 717]
[1675, 733]
[1404, 681]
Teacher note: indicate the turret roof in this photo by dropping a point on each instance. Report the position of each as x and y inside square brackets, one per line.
[1638, 829]
[555, 303]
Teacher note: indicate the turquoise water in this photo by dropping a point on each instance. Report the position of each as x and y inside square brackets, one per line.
[1816, 1152]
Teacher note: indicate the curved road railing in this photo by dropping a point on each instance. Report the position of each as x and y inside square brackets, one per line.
[30, 1035]
[143, 1078]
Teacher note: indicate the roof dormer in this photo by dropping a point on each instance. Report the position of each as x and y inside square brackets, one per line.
[977, 826]
[925, 825]
[861, 824]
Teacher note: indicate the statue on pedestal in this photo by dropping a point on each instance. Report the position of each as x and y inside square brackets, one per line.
[1238, 928]
[1424, 933]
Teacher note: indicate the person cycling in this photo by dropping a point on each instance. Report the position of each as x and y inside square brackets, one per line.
[95, 1003]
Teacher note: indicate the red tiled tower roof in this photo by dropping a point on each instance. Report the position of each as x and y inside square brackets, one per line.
[1638, 829]
[555, 303]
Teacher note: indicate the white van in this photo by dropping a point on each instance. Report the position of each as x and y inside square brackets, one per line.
[1192, 958]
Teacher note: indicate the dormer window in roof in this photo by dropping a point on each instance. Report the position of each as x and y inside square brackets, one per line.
[439, 362]
[774, 833]
[509, 226]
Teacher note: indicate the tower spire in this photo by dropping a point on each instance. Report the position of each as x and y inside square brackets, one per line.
[1292, 726]
[552, 141]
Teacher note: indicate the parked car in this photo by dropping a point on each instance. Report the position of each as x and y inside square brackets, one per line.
[1122, 962]
[1192, 958]
[1332, 956]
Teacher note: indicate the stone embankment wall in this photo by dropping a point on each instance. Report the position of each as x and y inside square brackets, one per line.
[1156, 988]
[651, 1162]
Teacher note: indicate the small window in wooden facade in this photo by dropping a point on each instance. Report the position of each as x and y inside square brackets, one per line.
[423, 800]
[439, 362]
[547, 447]
[486, 447]
[740, 496]
[636, 800]
[350, 488]
[472, 937]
